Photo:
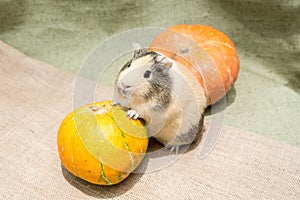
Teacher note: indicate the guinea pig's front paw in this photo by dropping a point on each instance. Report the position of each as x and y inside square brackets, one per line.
[132, 114]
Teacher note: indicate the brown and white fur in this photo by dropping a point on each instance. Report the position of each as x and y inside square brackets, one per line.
[165, 94]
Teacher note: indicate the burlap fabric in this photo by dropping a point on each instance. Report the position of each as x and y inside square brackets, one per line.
[34, 99]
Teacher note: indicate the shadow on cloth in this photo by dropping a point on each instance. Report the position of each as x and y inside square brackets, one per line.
[12, 14]
[222, 104]
[101, 191]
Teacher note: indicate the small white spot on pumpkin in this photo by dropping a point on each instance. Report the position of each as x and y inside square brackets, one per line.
[184, 50]
[62, 149]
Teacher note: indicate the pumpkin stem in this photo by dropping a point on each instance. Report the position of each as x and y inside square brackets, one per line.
[99, 109]
[94, 108]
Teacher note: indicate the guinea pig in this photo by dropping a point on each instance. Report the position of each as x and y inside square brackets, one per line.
[165, 94]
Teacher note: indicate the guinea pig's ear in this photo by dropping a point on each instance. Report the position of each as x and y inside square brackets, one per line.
[139, 53]
[169, 64]
[161, 59]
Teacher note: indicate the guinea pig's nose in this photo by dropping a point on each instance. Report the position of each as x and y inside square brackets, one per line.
[124, 88]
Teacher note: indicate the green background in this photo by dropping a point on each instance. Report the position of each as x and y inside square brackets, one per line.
[265, 99]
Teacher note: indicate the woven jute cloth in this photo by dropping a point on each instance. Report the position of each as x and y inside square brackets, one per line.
[34, 99]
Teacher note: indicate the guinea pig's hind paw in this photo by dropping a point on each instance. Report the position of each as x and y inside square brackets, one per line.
[173, 149]
[132, 114]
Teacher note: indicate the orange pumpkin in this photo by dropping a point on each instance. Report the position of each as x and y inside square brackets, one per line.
[99, 144]
[204, 45]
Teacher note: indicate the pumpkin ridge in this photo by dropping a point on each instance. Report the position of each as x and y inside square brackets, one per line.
[126, 144]
[104, 177]
[128, 149]
[223, 64]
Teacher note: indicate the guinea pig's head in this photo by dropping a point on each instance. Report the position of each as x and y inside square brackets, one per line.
[146, 73]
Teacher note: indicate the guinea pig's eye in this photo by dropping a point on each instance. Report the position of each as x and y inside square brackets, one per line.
[147, 74]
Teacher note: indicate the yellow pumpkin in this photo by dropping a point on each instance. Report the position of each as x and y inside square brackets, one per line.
[98, 143]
